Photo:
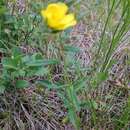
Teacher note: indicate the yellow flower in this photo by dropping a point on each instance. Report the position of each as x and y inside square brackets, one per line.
[56, 16]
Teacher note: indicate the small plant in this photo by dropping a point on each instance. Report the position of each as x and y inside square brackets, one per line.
[19, 68]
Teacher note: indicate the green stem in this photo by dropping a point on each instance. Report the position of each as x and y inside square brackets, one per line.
[103, 33]
[115, 39]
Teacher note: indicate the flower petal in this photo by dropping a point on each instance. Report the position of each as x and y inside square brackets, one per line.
[70, 24]
[44, 13]
[67, 21]
[56, 11]
[63, 8]
[68, 18]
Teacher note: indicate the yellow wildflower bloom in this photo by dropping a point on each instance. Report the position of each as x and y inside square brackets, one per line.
[57, 17]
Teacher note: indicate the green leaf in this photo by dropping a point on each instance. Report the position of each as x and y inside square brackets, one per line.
[101, 76]
[71, 48]
[94, 104]
[21, 73]
[18, 73]
[73, 98]
[8, 63]
[22, 84]
[89, 104]
[41, 63]
[74, 118]
[2, 89]
[41, 71]
[79, 84]
[16, 52]
[2, 10]
[37, 71]
[49, 85]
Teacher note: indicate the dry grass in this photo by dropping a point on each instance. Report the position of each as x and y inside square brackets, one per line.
[41, 109]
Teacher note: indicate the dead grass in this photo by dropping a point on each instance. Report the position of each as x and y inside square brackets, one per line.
[40, 109]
